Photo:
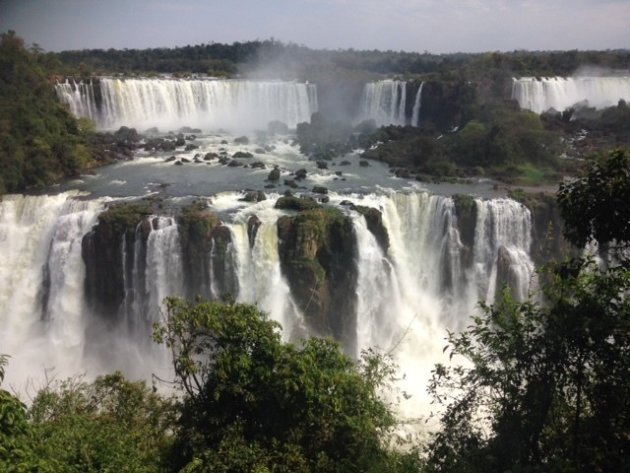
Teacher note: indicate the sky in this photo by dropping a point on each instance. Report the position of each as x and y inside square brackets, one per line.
[436, 26]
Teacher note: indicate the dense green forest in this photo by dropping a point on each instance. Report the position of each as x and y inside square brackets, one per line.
[545, 386]
[40, 142]
[274, 57]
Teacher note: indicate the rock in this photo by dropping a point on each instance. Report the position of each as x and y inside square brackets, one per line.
[187, 129]
[363, 163]
[338, 173]
[197, 160]
[291, 183]
[242, 154]
[325, 199]
[275, 127]
[152, 131]
[295, 203]
[210, 156]
[224, 142]
[252, 229]
[320, 190]
[191, 138]
[241, 140]
[274, 175]
[170, 159]
[402, 173]
[127, 135]
[178, 163]
[185, 160]
[259, 151]
[346, 203]
[317, 250]
[234, 163]
[258, 165]
[190, 147]
[224, 160]
[374, 221]
[179, 141]
[345, 163]
[253, 196]
[322, 165]
[300, 174]
[270, 186]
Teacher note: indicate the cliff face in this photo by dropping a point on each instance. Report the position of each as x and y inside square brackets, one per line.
[317, 250]
[102, 252]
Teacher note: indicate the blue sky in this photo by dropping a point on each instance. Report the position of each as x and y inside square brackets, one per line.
[412, 25]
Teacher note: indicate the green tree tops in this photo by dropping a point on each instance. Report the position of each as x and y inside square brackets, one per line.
[254, 403]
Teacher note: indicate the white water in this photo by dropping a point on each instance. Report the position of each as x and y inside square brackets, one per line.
[206, 104]
[385, 102]
[407, 296]
[415, 116]
[41, 236]
[258, 267]
[539, 95]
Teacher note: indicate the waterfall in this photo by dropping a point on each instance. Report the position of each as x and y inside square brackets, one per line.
[41, 284]
[409, 296]
[206, 104]
[385, 102]
[258, 267]
[429, 279]
[415, 117]
[540, 95]
[502, 244]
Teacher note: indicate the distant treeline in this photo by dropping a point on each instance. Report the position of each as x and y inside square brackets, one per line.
[276, 58]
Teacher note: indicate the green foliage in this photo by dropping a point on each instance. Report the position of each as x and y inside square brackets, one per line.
[123, 217]
[40, 141]
[254, 403]
[595, 206]
[15, 455]
[545, 388]
[109, 425]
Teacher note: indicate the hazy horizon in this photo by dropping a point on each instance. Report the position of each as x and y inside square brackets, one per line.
[434, 26]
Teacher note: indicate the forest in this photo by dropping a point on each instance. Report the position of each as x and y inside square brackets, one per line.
[536, 386]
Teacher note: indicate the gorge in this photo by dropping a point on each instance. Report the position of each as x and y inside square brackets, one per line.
[375, 262]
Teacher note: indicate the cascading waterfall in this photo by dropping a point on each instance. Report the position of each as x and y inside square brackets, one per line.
[42, 324]
[79, 97]
[426, 281]
[385, 102]
[501, 252]
[409, 296]
[258, 266]
[205, 104]
[559, 93]
[415, 115]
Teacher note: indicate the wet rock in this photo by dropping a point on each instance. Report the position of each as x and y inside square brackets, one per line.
[300, 174]
[338, 173]
[210, 156]
[322, 165]
[252, 229]
[234, 163]
[178, 163]
[290, 202]
[170, 159]
[274, 174]
[241, 140]
[363, 163]
[185, 160]
[253, 196]
[320, 190]
[290, 183]
[190, 138]
[242, 154]
[190, 147]
[258, 165]
[345, 163]
[180, 141]
[259, 151]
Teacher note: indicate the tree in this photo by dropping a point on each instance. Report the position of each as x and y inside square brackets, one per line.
[253, 403]
[595, 206]
[545, 388]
